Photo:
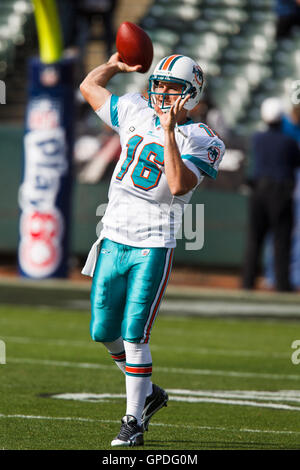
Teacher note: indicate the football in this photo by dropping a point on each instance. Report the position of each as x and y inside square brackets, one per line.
[134, 46]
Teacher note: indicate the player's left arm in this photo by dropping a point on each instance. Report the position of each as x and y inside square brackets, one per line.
[180, 179]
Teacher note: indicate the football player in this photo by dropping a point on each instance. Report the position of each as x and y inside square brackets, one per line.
[164, 157]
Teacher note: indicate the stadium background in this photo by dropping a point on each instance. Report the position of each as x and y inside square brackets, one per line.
[241, 70]
[234, 42]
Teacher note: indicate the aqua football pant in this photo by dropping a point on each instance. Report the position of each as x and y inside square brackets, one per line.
[127, 289]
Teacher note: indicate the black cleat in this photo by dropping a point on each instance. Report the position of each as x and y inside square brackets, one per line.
[131, 434]
[153, 403]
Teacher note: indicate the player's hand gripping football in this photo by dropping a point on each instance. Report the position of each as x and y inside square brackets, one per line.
[115, 59]
[169, 119]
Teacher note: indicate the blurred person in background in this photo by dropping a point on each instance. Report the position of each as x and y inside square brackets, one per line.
[291, 127]
[288, 16]
[291, 123]
[275, 158]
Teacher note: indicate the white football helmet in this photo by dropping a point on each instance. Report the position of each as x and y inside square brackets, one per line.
[179, 69]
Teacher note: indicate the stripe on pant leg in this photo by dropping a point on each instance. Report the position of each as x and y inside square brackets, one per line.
[162, 286]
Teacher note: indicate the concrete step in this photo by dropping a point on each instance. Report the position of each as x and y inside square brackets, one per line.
[131, 10]
[127, 10]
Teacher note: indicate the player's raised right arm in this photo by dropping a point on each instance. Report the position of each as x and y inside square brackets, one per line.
[93, 87]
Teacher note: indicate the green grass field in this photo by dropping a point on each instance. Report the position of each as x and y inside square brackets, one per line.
[231, 382]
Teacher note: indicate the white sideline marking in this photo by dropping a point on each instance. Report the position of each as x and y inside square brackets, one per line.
[281, 395]
[236, 402]
[234, 397]
[208, 308]
[223, 373]
[110, 421]
[211, 308]
[229, 308]
[86, 344]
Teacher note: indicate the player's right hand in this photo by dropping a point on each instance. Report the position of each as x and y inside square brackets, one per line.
[116, 60]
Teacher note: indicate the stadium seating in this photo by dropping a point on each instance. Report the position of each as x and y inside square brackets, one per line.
[17, 44]
[14, 16]
[234, 41]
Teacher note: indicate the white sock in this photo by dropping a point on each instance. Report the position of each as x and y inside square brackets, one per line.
[150, 389]
[117, 352]
[138, 377]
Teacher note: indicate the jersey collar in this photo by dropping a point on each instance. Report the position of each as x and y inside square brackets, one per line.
[188, 121]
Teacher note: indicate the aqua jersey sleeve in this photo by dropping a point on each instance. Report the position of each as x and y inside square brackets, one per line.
[109, 112]
[117, 111]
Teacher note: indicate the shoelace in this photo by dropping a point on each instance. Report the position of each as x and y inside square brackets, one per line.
[127, 429]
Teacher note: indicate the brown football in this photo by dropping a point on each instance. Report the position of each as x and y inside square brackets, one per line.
[134, 46]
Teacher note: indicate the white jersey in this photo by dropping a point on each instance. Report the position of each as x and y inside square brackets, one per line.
[141, 210]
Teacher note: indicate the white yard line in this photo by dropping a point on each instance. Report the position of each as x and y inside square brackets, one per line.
[175, 370]
[188, 426]
[48, 341]
[91, 344]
